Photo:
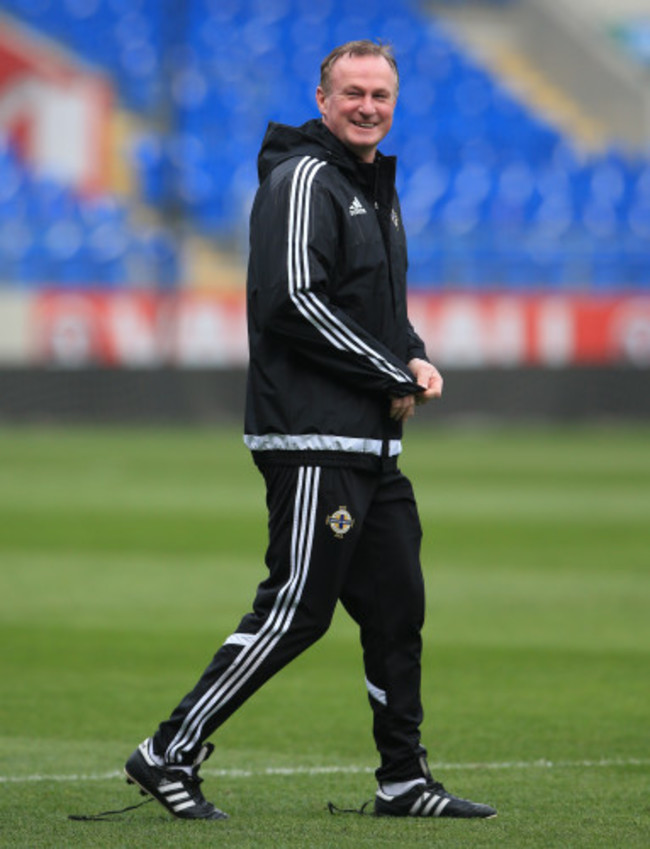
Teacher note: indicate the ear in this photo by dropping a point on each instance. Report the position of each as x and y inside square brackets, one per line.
[320, 99]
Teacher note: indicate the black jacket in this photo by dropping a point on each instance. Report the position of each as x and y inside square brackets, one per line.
[328, 331]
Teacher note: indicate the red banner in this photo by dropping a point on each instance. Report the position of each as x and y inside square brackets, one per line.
[540, 330]
[138, 329]
[197, 329]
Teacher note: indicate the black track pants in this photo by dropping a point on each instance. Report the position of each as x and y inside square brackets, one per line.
[334, 533]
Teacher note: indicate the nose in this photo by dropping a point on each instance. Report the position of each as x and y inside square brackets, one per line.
[367, 105]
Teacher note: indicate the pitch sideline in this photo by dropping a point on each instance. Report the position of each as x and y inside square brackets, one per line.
[343, 770]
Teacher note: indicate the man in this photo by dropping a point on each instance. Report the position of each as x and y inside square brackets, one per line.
[335, 369]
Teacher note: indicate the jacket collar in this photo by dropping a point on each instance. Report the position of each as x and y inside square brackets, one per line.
[314, 139]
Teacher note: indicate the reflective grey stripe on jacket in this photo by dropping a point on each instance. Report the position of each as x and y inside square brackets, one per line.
[320, 442]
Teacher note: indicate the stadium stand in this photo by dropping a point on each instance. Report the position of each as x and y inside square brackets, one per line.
[51, 235]
[494, 195]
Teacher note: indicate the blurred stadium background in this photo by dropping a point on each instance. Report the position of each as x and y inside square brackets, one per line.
[129, 131]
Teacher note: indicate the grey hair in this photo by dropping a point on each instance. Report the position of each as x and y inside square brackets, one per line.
[365, 47]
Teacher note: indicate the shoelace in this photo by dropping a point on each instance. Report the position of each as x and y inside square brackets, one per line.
[107, 815]
[334, 809]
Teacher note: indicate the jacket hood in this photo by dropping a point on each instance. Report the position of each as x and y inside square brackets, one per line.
[282, 142]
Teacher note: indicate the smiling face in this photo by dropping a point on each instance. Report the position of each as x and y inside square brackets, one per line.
[359, 102]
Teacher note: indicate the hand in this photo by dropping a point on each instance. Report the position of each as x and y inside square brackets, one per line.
[428, 377]
[403, 408]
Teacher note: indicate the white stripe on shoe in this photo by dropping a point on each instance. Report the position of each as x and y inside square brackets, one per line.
[427, 804]
[176, 797]
[183, 806]
[443, 804]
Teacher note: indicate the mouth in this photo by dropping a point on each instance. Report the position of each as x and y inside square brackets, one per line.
[364, 125]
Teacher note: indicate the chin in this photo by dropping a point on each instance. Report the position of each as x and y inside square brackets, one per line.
[363, 145]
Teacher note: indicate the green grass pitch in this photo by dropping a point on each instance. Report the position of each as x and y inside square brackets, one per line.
[128, 554]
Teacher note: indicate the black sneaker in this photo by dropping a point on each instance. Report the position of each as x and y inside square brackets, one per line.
[429, 799]
[175, 789]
